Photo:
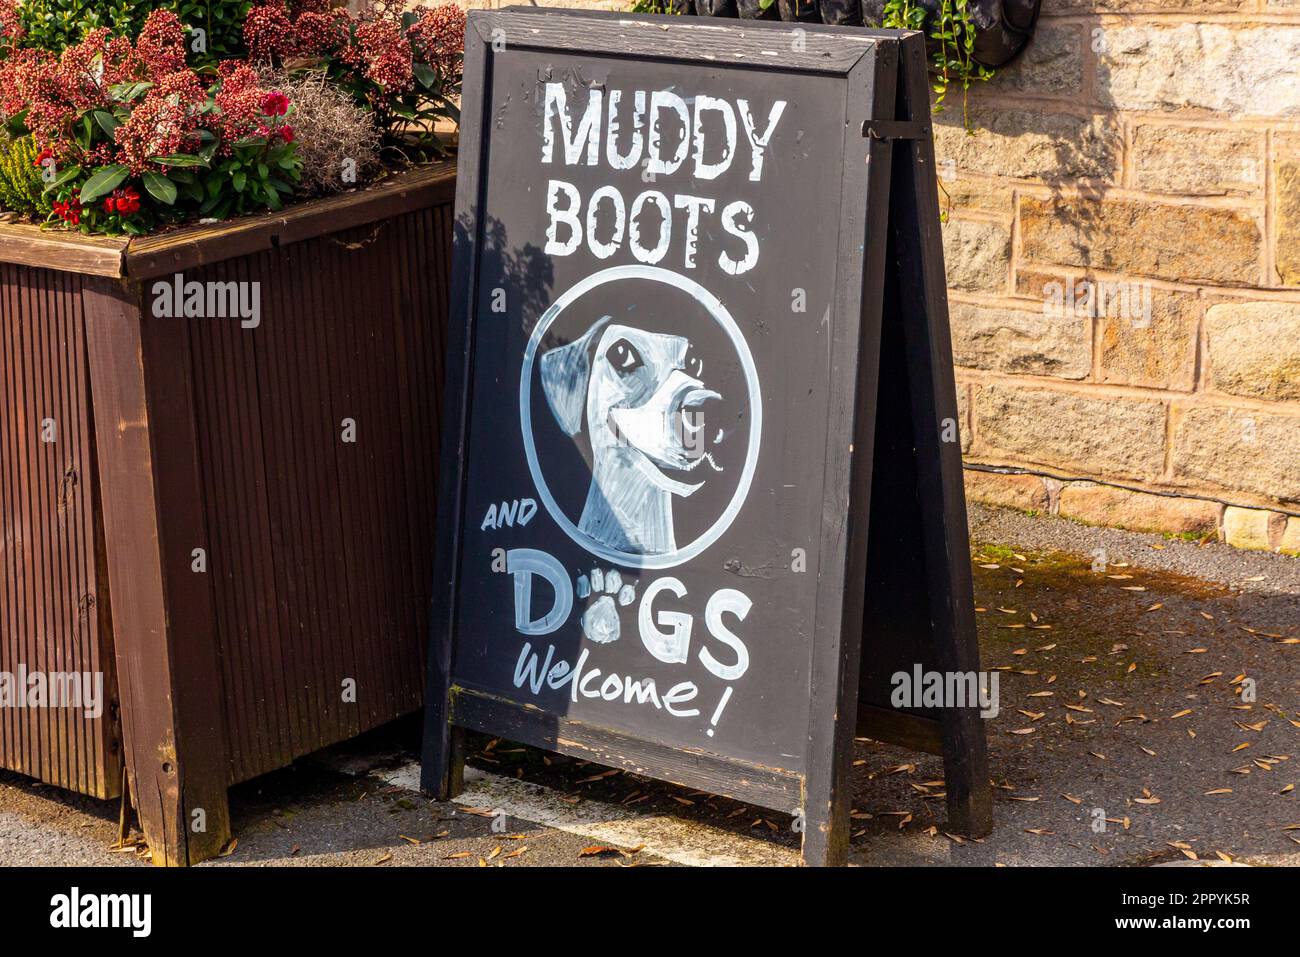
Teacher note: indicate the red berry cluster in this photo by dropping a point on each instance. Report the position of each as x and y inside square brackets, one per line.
[372, 50]
[438, 38]
[11, 24]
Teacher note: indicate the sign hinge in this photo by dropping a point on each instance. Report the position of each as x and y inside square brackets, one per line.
[895, 129]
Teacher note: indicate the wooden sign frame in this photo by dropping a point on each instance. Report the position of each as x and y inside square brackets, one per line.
[892, 393]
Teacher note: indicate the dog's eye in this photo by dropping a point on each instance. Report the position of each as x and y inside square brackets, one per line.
[694, 364]
[623, 356]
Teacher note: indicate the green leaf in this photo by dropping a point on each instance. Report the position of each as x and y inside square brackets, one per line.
[69, 174]
[159, 187]
[123, 92]
[452, 110]
[16, 125]
[239, 180]
[426, 74]
[102, 182]
[179, 159]
[107, 121]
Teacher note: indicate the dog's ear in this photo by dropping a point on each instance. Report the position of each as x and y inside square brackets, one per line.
[565, 371]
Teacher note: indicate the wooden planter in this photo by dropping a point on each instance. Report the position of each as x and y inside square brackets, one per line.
[251, 584]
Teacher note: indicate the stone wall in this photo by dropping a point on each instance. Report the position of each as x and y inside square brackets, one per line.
[1123, 252]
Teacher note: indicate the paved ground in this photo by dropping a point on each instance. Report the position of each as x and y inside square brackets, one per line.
[1126, 666]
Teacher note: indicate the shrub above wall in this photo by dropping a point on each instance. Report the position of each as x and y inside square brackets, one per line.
[57, 24]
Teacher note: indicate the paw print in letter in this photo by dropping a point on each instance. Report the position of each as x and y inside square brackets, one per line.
[607, 593]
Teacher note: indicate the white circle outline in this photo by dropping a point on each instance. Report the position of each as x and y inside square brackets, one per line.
[723, 318]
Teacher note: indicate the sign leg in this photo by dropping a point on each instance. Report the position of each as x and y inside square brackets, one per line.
[442, 763]
[934, 402]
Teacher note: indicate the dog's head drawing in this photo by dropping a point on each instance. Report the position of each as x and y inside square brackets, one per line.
[640, 393]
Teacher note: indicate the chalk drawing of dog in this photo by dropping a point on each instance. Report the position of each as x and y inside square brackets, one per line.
[640, 393]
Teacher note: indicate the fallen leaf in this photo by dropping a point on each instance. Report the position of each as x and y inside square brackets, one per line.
[601, 776]
[598, 850]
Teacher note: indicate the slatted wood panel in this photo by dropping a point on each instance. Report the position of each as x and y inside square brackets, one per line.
[53, 590]
[320, 552]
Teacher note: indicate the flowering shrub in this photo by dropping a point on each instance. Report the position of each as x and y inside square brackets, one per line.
[128, 136]
[405, 67]
[119, 121]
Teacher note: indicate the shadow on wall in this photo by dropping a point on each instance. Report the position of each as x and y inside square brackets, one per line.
[1032, 122]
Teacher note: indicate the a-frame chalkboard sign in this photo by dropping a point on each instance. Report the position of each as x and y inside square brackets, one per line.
[702, 497]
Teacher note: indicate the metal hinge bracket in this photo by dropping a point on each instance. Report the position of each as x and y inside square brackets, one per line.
[895, 129]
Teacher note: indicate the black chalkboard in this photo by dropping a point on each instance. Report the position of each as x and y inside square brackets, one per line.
[697, 502]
